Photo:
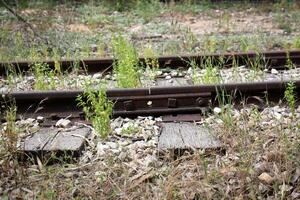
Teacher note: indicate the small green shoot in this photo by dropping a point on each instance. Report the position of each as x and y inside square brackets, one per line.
[211, 74]
[151, 61]
[126, 67]
[97, 109]
[289, 62]
[289, 95]
[226, 105]
[130, 130]
[56, 58]
[44, 77]
[9, 135]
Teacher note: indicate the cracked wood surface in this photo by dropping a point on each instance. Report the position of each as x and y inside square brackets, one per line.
[187, 136]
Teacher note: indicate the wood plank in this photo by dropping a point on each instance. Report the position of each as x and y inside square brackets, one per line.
[187, 136]
[54, 139]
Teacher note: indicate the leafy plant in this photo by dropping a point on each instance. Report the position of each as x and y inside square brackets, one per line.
[289, 62]
[151, 62]
[126, 67]
[255, 64]
[9, 135]
[289, 95]
[190, 40]
[296, 42]
[44, 77]
[56, 58]
[226, 105]
[97, 109]
[130, 130]
[195, 68]
[210, 44]
[211, 74]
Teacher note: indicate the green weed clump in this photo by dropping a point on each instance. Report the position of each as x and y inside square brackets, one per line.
[226, 104]
[9, 135]
[151, 62]
[296, 43]
[289, 95]
[126, 67]
[44, 77]
[211, 71]
[97, 109]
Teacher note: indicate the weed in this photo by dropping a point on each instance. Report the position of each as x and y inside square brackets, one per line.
[151, 61]
[284, 23]
[126, 67]
[210, 71]
[210, 45]
[190, 40]
[224, 21]
[296, 42]
[211, 74]
[9, 136]
[56, 58]
[289, 62]
[97, 109]
[131, 129]
[235, 65]
[256, 114]
[255, 64]
[148, 9]
[289, 95]
[195, 68]
[44, 77]
[225, 103]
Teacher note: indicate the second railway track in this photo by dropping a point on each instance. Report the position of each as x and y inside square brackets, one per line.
[155, 100]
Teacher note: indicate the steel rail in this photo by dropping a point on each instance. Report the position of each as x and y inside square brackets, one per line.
[274, 59]
[144, 101]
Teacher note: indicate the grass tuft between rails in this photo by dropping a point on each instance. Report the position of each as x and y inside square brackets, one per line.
[97, 109]
[126, 66]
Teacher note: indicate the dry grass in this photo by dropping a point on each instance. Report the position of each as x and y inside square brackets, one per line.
[253, 146]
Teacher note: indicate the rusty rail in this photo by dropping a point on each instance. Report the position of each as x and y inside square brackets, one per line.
[145, 101]
[274, 59]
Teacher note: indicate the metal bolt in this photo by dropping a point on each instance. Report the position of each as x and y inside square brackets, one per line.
[201, 101]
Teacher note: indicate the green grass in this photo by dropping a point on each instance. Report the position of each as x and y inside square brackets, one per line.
[290, 96]
[44, 77]
[9, 135]
[126, 66]
[97, 109]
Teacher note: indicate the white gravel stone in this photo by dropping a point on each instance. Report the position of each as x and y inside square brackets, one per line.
[217, 110]
[174, 73]
[274, 71]
[118, 131]
[63, 123]
[277, 115]
[101, 149]
[149, 103]
[149, 161]
[97, 76]
[122, 156]
[40, 118]
[168, 77]
[112, 145]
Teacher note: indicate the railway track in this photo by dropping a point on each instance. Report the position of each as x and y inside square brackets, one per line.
[156, 101]
[274, 59]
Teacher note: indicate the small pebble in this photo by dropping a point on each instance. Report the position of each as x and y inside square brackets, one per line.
[274, 71]
[63, 123]
[40, 119]
[168, 77]
[217, 110]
